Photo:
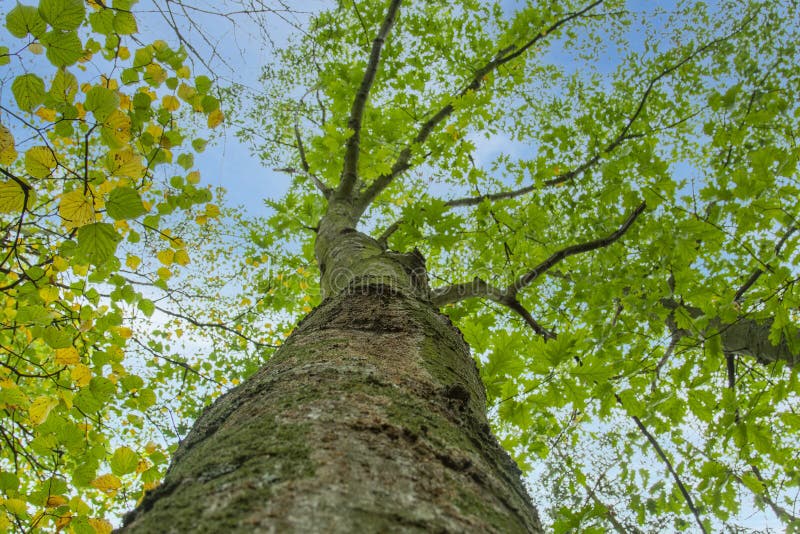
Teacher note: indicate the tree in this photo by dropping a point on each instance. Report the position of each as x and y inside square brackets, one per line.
[624, 270]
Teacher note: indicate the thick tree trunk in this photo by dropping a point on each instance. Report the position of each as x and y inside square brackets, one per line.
[370, 418]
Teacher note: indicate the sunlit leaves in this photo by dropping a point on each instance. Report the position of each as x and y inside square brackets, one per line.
[40, 161]
[12, 197]
[8, 153]
[23, 20]
[101, 101]
[40, 408]
[62, 14]
[63, 47]
[29, 91]
[76, 209]
[124, 203]
[97, 242]
[107, 483]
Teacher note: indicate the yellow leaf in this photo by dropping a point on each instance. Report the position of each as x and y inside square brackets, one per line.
[63, 521]
[193, 177]
[7, 151]
[60, 264]
[170, 103]
[142, 466]
[118, 127]
[46, 114]
[40, 161]
[164, 273]
[101, 526]
[81, 375]
[150, 447]
[107, 483]
[215, 118]
[183, 72]
[124, 162]
[166, 257]
[212, 210]
[186, 92]
[182, 257]
[54, 501]
[40, 409]
[67, 356]
[155, 73]
[133, 261]
[12, 197]
[49, 294]
[123, 52]
[36, 48]
[124, 332]
[76, 209]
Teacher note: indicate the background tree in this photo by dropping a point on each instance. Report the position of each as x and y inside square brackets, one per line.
[624, 269]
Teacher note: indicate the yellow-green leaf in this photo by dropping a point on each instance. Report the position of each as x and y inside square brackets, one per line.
[8, 153]
[67, 356]
[12, 197]
[107, 483]
[40, 409]
[40, 161]
[76, 209]
[123, 461]
[28, 91]
[62, 14]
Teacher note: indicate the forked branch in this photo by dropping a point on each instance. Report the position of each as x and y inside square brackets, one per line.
[403, 161]
[529, 277]
[353, 145]
[479, 288]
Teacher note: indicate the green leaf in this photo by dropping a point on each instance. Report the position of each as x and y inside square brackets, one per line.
[22, 20]
[123, 461]
[147, 307]
[62, 14]
[63, 47]
[125, 23]
[57, 338]
[203, 84]
[97, 242]
[64, 86]
[40, 161]
[8, 481]
[4, 57]
[101, 101]
[124, 203]
[102, 21]
[29, 91]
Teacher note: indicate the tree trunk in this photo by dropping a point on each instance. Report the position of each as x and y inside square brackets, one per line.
[370, 418]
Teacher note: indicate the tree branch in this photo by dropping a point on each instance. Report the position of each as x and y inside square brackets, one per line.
[403, 161]
[661, 454]
[479, 288]
[744, 336]
[353, 145]
[528, 278]
[504, 195]
[323, 188]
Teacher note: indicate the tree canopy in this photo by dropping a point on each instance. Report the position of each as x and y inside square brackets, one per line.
[605, 193]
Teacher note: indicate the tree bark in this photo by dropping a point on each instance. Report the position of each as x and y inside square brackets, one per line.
[370, 418]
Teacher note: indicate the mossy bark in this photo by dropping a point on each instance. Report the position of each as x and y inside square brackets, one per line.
[370, 418]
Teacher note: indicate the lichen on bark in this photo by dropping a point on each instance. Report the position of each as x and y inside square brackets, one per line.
[371, 417]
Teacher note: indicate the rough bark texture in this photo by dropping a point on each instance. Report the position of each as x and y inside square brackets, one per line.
[370, 418]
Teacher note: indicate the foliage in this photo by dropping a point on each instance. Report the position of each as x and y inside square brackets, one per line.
[103, 223]
[605, 192]
[606, 195]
